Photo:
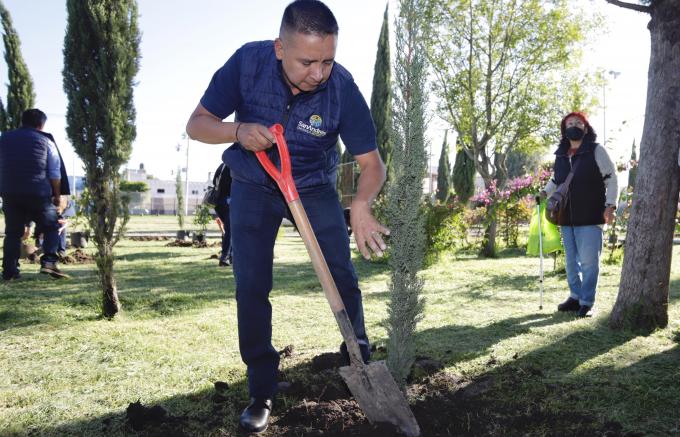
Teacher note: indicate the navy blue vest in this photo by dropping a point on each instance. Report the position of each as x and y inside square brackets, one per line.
[23, 163]
[311, 120]
[585, 205]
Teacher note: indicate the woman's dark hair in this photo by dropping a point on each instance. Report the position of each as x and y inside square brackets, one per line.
[34, 118]
[310, 17]
[590, 136]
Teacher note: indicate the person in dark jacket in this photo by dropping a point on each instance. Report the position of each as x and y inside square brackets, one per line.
[222, 182]
[591, 203]
[294, 81]
[30, 185]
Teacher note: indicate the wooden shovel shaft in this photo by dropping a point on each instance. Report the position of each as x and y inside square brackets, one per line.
[327, 282]
[371, 384]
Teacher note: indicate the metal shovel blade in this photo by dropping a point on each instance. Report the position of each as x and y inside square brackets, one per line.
[371, 384]
[379, 397]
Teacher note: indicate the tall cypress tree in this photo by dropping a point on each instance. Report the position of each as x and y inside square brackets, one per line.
[444, 172]
[3, 117]
[404, 196]
[101, 59]
[463, 175]
[20, 94]
[381, 102]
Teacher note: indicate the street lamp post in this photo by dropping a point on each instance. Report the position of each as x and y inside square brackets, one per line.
[614, 74]
[186, 183]
[75, 188]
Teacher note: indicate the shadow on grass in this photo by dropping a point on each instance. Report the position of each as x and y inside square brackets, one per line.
[215, 411]
[205, 412]
[649, 390]
[453, 344]
[495, 282]
[160, 287]
[524, 395]
[570, 374]
[565, 375]
[147, 256]
[38, 298]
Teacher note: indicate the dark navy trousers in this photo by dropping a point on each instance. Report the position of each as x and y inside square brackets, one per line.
[256, 214]
[19, 210]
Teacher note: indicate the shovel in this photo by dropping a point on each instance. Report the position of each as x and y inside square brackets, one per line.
[371, 384]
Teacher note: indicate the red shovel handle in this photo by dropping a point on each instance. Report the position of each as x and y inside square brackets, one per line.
[283, 178]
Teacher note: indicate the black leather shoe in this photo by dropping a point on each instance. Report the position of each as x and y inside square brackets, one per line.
[12, 277]
[255, 418]
[569, 305]
[585, 311]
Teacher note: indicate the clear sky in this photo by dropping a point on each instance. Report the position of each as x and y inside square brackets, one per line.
[185, 41]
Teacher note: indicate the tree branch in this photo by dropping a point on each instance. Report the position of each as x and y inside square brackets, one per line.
[639, 8]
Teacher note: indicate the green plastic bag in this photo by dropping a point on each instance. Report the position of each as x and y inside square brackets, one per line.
[552, 241]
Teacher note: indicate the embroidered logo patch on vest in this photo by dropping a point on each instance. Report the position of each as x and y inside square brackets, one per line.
[313, 127]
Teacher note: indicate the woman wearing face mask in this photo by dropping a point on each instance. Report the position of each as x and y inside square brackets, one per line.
[591, 203]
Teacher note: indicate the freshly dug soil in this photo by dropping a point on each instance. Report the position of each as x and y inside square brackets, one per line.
[444, 404]
[149, 238]
[196, 244]
[78, 256]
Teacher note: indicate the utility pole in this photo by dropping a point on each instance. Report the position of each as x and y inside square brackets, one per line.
[186, 186]
[614, 74]
[75, 188]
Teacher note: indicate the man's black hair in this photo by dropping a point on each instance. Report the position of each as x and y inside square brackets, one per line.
[310, 17]
[34, 118]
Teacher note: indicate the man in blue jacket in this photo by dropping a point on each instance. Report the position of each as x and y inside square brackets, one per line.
[30, 186]
[222, 183]
[294, 81]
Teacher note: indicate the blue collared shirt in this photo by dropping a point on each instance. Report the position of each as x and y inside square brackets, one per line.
[53, 161]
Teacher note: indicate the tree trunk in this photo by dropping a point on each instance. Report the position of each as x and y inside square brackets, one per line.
[642, 302]
[103, 235]
[489, 243]
[110, 302]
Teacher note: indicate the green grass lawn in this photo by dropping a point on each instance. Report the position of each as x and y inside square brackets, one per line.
[150, 223]
[164, 223]
[65, 371]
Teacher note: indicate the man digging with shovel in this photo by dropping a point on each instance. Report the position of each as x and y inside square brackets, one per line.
[293, 81]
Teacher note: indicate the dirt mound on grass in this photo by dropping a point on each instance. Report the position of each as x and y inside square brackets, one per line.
[327, 361]
[321, 382]
[148, 238]
[78, 256]
[335, 418]
[195, 244]
[444, 404]
[155, 420]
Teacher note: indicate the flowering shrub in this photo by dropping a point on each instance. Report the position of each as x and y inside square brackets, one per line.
[515, 189]
[512, 204]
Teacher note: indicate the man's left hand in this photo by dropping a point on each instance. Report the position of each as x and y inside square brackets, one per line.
[368, 232]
